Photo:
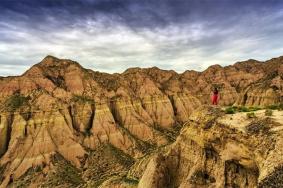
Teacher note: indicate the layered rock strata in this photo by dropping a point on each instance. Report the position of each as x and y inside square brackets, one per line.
[208, 153]
[60, 111]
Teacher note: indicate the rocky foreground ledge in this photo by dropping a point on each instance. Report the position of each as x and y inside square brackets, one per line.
[211, 153]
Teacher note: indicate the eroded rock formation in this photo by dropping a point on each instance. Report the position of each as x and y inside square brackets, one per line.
[209, 153]
[58, 113]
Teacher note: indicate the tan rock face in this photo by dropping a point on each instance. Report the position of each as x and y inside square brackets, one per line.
[58, 108]
[82, 115]
[4, 134]
[266, 91]
[105, 130]
[184, 105]
[33, 142]
[210, 154]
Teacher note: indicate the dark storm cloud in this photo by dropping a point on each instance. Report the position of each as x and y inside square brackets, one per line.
[135, 13]
[111, 35]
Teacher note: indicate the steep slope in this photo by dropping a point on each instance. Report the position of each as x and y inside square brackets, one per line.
[267, 90]
[59, 108]
[58, 113]
[211, 153]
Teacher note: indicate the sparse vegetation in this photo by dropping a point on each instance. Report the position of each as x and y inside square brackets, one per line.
[16, 101]
[123, 158]
[230, 110]
[251, 115]
[130, 181]
[104, 162]
[275, 107]
[83, 99]
[171, 135]
[65, 173]
[268, 112]
[254, 108]
[243, 109]
[234, 109]
[272, 107]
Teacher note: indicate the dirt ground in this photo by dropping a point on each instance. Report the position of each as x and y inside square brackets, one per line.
[240, 120]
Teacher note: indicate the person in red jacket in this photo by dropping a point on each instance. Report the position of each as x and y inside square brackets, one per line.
[215, 96]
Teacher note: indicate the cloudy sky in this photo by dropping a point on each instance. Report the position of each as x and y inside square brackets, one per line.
[113, 35]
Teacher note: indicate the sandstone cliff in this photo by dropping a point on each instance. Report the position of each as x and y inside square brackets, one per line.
[212, 152]
[267, 90]
[98, 125]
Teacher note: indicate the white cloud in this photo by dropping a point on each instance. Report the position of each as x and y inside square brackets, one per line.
[104, 45]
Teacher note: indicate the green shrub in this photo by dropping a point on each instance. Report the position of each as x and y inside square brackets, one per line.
[230, 110]
[273, 107]
[131, 181]
[234, 109]
[268, 112]
[251, 115]
[254, 108]
[243, 109]
[16, 101]
[281, 106]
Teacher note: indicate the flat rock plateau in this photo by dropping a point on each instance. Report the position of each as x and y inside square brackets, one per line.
[62, 125]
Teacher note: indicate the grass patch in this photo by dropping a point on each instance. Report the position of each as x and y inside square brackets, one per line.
[243, 109]
[16, 101]
[230, 110]
[254, 108]
[234, 109]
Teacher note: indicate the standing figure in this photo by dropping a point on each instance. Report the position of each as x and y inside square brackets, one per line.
[215, 97]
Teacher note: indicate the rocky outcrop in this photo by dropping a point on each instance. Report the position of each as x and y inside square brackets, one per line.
[57, 113]
[105, 130]
[208, 153]
[266, 91]
[33, 142]
[4, 133]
